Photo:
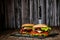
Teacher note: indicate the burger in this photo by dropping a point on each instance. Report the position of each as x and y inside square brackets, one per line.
[26, 28]
[40, 30]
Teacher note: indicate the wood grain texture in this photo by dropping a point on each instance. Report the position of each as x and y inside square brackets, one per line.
[18, 12]
[6, 35]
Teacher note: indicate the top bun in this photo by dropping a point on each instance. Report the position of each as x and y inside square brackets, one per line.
[27, 25]
[40, 25]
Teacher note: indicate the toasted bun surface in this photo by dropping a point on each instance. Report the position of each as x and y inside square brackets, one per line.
[40, 25]
[27, 25]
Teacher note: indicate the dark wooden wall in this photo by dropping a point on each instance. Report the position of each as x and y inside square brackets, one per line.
[14, 13]
[10, 12]
[2, 15]
[49, 12]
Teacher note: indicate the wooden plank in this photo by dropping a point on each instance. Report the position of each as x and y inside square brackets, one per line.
[38, 8]
[31, 11]
[16, 12]
[47, 12]
[19, 19]
[50, 12]
[35, 12]
[10, 12]
[42, 10]
[58, 13]
[6, 18]
[55, 12]
[22, 2]
[2, 16]
[25, 13]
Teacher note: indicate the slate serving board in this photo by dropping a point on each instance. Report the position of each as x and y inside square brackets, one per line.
[19, 35]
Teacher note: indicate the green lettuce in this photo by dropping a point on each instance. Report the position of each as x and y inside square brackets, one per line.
[46, 28]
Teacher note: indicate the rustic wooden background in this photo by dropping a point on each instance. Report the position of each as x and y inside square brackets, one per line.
[13, 13]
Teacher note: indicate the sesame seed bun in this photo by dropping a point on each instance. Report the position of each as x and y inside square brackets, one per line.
[27, 25]
[39, 25]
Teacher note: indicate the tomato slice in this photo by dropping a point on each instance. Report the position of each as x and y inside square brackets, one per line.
[33, 32]
[45, 33]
